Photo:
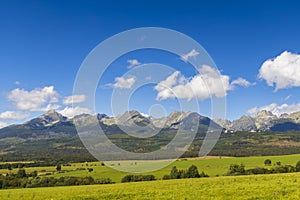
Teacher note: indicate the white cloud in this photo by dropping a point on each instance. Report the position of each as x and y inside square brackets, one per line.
[39, 99]
[13, 115]
[73, 111]
[74, 99]
[202, 86]
[287, 97]
[17, 83]
[133, 63]
[3, 124]
[191, 54]
[277, 109]
[122, 83]
[282, 72]
[242, 82]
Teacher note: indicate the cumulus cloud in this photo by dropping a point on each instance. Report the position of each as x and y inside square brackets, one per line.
[133, 63]
[39, 99]
[191, 54]
[277, 109]
[122, 82]
[13, 115]
[202, 86]
[242, 82]
[74, 99]
[282, 72]
[73, 111]
[3, 124]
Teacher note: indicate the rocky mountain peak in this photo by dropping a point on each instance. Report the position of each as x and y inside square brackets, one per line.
[264, 113]
[46, 119]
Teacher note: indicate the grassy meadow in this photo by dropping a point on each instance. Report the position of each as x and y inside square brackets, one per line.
[217, 186]
[274, 186]
[213, 166]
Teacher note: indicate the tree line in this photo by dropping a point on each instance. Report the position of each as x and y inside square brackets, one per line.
[236, 169]
[23, 180]
[191, 172]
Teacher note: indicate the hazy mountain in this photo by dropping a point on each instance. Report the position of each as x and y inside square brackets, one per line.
[295, 117]
[245, 123]
[263, 121]
[224, 123]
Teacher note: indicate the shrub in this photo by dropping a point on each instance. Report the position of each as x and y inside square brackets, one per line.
[278, 163]
[283, 169]
[202, 174]
[137, 178]
[298, 166]
[268, 162]
[174, 174]
[58, 167]
[236, 169]
[258, 170]
[192, 172]
[33, 174]
[21, 173]
[103, 181]
[166, 177]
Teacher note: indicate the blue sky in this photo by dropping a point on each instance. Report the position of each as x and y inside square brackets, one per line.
[43, 44]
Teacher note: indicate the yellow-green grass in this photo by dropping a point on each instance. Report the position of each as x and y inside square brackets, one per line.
[271, 186]
[213, 166]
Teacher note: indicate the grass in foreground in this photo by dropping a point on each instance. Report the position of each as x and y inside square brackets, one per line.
[275, 186]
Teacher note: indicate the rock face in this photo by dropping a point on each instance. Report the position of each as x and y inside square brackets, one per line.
[224, 123]
[176, 120]
[245, 123]
[295, 117]
[264, 120]
[133, 117]
[47, 119]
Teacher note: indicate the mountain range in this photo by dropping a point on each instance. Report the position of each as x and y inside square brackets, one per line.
[263, 121]
[53, 123]
[53, 136]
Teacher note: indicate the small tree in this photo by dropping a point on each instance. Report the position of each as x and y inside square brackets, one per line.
[278, 163]
[192, 172]
[202, 174]
[268, 162]
[33, 174]
[21, 173]
[298, 166]
[236, 169]
[58, 167]
[174, 173]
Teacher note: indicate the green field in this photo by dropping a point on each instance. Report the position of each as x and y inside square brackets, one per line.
[213, 166]
[274, 186]
[271, 186]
